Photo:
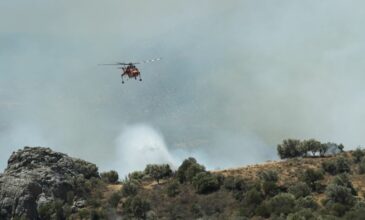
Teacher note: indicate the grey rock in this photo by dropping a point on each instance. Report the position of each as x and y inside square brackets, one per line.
[80, 203]
[36, 176]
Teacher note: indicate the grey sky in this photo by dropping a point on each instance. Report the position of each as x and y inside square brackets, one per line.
[236, 77]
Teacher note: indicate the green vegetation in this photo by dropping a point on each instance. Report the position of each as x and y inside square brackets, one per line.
[158, 172]
[313, 186]
[292, 148]
[110, 177]
[188, 170]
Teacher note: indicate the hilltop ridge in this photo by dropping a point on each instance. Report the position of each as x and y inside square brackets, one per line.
[42, 184]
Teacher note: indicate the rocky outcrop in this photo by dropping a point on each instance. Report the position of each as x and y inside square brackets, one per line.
[37, 176]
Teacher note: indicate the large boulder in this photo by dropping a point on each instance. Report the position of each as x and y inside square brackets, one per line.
[36, 176]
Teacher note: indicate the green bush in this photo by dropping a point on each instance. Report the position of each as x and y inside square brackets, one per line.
[45, 211]
[282, 203]
[188, 169]
[306, 203]
[311, 177]
[310, 145]
[252, 203]
[357, 213]
[269, 176]
[289, 149]
[129, 188]
[358, 154]
[303, 214]
[52, 210]
[337, 209]
[299, 189]
[197, 210]
[361, 166]
[114, 199]
[136, 175]
[205, 182]
[340, 194]
[253, 197]
[173, 189]
[83, 213]
[329, 167]
[233, 183]
[270, 188]
[136, 207]
[110, 177]
[342, 165]
[344, 180]
[157, 171]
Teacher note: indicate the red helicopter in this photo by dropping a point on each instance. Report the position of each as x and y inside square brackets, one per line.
[130, 70]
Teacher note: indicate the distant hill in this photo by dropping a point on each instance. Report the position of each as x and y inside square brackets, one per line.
[42, 184]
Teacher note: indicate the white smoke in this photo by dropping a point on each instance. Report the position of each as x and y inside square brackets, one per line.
[139, 145]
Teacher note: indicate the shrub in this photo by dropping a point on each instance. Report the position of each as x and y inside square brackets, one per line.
[289, 149]
[329, 167]
[253, 197]
[342, 165]
[52, 210]
[206, 182]
[337, 209]
[45, 211]
[188, 169]
[158, 171]
[300, 189]
[311, 145]
[130, 188]
[83, 214]
[358, 154]
[197, 210]
[173, 189]
[303, 214]
[343, 180]
[361, 166]
[96, 215]
[357, 213]
[114, 199]
[311, 176]
[269, 176]
[270, 188]
[136, 175]
[306, 203]
[251, 201]
[110, 177]
[136, 207]
[233, 183]
[339, 194]
[282, 203]
[323, 149]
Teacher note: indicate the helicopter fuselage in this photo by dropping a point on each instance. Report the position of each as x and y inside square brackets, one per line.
[130, 71]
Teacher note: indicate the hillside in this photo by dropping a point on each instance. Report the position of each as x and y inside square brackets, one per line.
[329, 187]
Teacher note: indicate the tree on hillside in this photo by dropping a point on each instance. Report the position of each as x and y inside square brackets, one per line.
[157, 171]
[323, 149]
[311, 145]
[188, 169]
[289, 149]
[205, 182]
[110, 177]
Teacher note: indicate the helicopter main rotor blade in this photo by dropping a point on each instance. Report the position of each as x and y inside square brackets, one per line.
[120, 64]
[151, 60]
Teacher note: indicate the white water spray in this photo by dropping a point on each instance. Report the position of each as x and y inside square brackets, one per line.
[139, 145]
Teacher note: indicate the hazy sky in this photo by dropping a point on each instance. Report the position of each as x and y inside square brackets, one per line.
[236, 77]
